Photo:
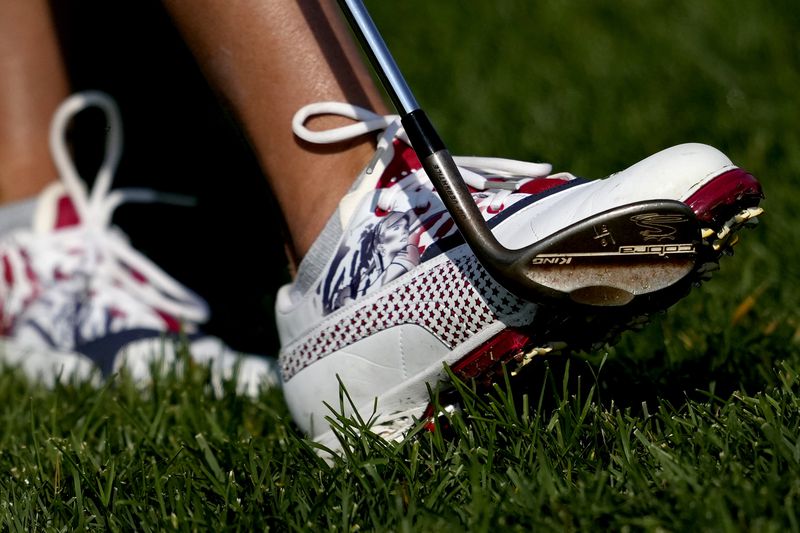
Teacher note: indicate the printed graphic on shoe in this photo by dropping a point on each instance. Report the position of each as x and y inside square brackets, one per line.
[390, 236]
[76, 297]
[390, 293]
[390, 239]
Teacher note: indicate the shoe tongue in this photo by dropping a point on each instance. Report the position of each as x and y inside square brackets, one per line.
[365, 184]
[401, 161]
[54, 210]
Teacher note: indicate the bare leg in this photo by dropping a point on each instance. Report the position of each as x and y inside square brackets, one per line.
[269, 58]
[32, 84]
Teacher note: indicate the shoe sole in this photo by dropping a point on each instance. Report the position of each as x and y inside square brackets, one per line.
[48, 367]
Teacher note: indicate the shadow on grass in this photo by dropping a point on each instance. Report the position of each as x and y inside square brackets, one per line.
[625, 380]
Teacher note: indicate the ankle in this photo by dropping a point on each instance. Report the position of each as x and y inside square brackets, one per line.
[308, 205]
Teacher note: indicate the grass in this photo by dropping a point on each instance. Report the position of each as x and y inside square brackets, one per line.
[692, 423]
[566, 458]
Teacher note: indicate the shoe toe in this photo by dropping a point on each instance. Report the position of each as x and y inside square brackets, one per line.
[674, 173]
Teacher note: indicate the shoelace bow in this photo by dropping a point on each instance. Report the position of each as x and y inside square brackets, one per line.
[93, 248]
[496, 177]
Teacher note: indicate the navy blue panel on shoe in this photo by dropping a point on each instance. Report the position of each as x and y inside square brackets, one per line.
[104, 350]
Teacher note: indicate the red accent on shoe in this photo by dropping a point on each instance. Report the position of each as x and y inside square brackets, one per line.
[29, 273]
[8, 274]
[67, 215]
[499, 349]
[138, 276]
[444, 229]
[172, 323]
[735, 187]
[405, 160]
[496, 351]
[540, 185]
[116, 312]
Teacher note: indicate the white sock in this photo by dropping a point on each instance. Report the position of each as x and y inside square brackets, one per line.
[17, 215]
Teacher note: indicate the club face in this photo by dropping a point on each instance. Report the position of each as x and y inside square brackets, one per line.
[612, 257]
[608, 259]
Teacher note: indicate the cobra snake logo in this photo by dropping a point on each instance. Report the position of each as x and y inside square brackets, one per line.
[658, 227]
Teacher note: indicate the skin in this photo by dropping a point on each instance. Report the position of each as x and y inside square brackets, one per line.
[32, 85]
[266, 59]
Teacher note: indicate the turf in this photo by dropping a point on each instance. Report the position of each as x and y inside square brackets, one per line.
[692, 423]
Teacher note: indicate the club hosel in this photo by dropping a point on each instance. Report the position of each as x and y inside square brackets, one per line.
[422, 134]
[445, 176]
[508, 267]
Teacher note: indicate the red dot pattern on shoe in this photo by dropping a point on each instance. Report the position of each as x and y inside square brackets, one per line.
[453, 301]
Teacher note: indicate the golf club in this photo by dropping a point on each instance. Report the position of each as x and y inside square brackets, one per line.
[605, 260]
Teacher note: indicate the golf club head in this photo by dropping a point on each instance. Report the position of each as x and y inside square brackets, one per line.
[608, 259]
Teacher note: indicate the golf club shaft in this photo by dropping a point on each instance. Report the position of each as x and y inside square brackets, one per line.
[435, 159]
[382, 61]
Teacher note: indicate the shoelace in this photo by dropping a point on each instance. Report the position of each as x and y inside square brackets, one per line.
[93, 248]
[498, 177]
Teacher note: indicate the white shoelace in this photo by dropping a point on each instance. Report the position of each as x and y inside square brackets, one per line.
[93, 249]
[507, 175]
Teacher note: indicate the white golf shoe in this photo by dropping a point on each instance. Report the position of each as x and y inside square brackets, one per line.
[389, 293]
[78, 302]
